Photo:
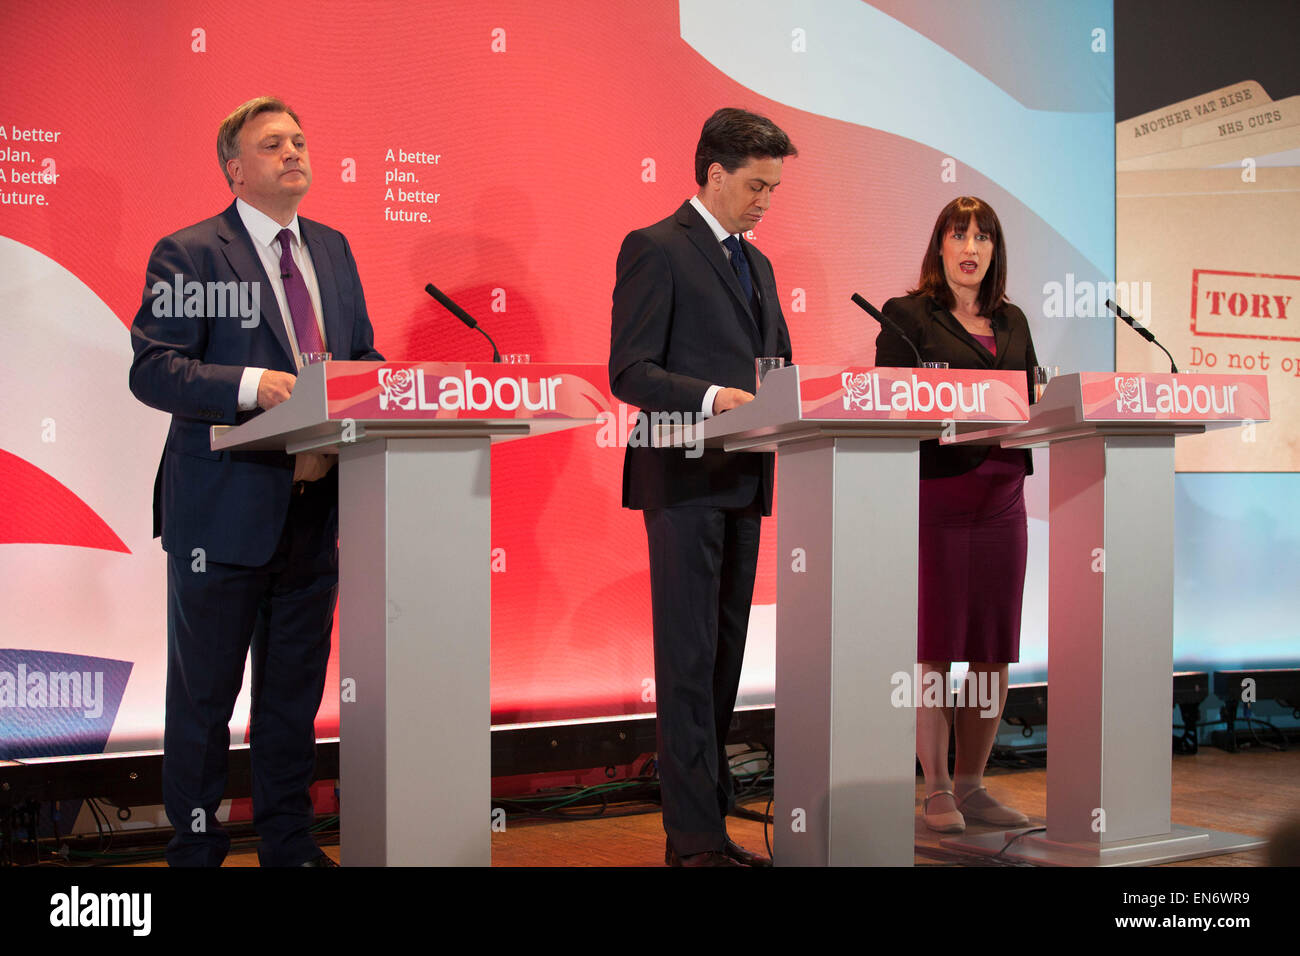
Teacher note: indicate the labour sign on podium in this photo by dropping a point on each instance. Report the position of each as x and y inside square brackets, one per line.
[1136, 403]
[414, 441]
[847, 439]
[1153, 396]
[421, 390]
[344, 403]
[808, 401]
[1110, 605]
[919, 394]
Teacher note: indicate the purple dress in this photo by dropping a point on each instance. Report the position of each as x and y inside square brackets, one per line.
[973, 541]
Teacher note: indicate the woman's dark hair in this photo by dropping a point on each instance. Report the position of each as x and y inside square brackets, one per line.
[934, 283]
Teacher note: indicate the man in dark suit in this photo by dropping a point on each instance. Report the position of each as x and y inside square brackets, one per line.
[694, 305]
[230, 306]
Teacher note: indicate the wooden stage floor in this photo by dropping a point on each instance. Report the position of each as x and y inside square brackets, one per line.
[1250, 793]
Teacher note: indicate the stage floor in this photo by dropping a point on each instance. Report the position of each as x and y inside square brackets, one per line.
[1248, 793]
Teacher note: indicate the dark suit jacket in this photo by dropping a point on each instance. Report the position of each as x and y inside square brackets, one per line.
[939, 337]
[231, 504]
[681, 324]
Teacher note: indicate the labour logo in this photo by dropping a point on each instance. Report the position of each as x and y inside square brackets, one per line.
[857, 391]
[398, 388]
[1129, 390]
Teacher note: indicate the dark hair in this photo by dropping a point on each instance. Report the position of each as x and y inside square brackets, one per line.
[934, 283]
[732, 137]
[228, 131]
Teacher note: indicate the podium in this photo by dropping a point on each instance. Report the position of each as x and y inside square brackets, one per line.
[414, 444]
[847, 445]
[1110, 612]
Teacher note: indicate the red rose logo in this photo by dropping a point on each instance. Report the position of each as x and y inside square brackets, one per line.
[857, 389]
[398, 388]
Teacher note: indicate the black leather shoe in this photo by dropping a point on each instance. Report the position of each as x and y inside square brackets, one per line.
[707, 858]
[744, 857]
[321, 860]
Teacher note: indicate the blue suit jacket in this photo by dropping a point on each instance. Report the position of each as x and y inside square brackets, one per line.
[230, 504]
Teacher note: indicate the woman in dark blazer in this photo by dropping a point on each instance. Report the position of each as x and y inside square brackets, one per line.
[973, 528]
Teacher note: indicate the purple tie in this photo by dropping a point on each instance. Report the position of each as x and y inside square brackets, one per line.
[295, 290]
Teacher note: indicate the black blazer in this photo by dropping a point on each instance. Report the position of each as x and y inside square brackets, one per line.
[680, 323]
[939, 337]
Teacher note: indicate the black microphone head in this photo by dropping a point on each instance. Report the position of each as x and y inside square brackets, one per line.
[1132, 323]
[870, 309]
[450, 306]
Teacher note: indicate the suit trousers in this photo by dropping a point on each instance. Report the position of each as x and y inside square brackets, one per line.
[702, 566]
[283, 612]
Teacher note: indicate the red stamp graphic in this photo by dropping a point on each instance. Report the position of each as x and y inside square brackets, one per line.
[1246, 305]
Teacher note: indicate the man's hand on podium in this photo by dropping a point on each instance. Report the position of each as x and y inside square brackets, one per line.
[273, 388]
[310, 466]
[729, 398]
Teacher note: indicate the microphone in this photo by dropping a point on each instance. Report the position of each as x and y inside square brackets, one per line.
[1141, 330]
[461, 314]
[884, 320]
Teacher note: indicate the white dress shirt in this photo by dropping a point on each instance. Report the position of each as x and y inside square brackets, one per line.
[721, 235]
[264, 230]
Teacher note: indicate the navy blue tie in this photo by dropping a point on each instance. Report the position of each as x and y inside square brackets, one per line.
[741, 265]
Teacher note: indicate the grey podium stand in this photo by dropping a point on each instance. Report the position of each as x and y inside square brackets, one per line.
[845, 755]
[414, 613]
[1110, 636]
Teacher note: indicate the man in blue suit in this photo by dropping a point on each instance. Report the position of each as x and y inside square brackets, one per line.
[230, 306]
